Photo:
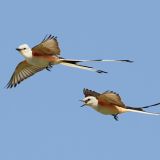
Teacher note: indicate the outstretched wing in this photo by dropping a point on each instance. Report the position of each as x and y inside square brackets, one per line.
[22, 71]
[88, 92]
[49, 46]
[111, 98]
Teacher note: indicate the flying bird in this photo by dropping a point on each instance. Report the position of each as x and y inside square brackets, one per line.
[110, 103]
[44, 56]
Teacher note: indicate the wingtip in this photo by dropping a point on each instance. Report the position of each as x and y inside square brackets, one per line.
[8, 86]
[85, 89]
[49, 36]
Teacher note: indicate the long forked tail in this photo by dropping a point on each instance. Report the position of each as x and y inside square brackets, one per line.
[96, 60]
[141, 109]
[73, 63]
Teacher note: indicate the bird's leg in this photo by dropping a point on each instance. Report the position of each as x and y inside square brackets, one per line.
[115, 116]
[48, 68]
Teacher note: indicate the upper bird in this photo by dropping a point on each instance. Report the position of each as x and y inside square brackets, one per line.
[44, 56]
[110, 103]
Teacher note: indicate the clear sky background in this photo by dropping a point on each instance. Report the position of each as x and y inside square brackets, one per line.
[41, 118]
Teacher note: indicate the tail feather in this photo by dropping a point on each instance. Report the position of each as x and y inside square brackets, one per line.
[96, 60]
[142, 111]
[151, 105]
[141, 108]
[75, 65]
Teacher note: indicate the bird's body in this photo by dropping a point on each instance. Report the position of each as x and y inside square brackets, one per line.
[37, 59]
[43, 61]
[44, 56]
[110, 110]
[110, 103]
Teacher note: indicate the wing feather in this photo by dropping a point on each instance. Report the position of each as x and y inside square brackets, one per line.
[111, 98]
[22, 72]
[88, 92]
[48, 46]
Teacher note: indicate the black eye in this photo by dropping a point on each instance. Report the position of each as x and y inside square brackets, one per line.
[24, 48]
[87, 100]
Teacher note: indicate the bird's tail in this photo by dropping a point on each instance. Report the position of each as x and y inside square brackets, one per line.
[97, 60]
[74, 63]
[141, 109]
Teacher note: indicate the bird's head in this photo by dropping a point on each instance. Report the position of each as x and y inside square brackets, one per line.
[90, 101]
[25, 50]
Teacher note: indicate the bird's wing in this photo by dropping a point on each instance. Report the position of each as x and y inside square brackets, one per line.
[49, 46]
[22, 71]
[111, 98]
[88, 92]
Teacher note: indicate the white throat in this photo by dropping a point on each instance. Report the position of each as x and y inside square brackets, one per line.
[91, 101]
[94, 106]
[27, 54]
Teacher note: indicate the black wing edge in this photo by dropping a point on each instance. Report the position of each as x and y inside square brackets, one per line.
[48, 37]
[88, 92]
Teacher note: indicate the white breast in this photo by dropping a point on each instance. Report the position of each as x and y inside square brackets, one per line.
[36, 61]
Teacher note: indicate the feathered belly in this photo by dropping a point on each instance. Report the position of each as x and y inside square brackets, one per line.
[111, 109]
[42, 61]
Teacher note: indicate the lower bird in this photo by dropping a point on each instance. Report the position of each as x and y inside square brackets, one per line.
[110, 103]
[44, 56]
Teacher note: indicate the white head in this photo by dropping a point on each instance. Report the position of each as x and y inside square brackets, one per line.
[90, 101]
[25, 50]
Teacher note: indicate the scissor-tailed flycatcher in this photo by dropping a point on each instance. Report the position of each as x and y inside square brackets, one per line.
[44, 56]
[110, 103]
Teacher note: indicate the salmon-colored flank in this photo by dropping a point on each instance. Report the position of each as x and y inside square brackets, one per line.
[36, 54]
[49, 58]
[110, 108]
[103, 103]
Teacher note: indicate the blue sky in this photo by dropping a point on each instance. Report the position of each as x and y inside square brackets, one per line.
[41, 118]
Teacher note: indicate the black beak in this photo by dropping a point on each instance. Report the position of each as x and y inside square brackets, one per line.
[83, 104]
[18, 49]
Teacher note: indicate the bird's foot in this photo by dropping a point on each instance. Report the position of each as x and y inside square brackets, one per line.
[115, 117]
[48, 68]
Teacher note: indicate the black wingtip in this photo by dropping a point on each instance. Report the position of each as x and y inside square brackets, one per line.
[85, 89]
[9, 86]
[49, 36]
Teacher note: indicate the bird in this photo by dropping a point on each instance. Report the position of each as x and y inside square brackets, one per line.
[110, 103]
[43, 56]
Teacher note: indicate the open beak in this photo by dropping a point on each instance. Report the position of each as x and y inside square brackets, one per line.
[18, 49]
[83, 104]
